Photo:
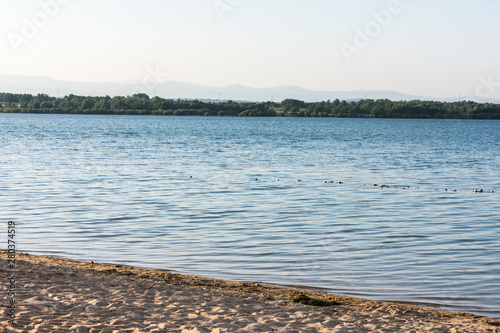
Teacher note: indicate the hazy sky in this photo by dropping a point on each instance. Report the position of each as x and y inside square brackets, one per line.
[438, 48]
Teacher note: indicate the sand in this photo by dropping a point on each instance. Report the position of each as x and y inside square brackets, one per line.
[62, 295]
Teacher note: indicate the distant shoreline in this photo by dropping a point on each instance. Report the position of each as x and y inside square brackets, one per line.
[120, 113]
[142, 104]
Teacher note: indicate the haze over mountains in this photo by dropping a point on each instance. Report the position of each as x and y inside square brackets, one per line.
[172, 89]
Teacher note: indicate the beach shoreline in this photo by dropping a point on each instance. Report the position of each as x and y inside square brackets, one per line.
[56, 295]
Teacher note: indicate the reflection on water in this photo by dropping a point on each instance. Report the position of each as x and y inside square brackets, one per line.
[219, 197]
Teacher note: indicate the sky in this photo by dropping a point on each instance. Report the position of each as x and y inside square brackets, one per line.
[439, 48]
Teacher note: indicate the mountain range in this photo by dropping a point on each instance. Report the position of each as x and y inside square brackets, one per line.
[173, 89]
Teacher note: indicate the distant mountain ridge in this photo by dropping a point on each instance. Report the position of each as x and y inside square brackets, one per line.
[182, 90]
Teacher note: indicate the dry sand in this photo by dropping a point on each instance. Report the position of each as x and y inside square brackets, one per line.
[62, 295]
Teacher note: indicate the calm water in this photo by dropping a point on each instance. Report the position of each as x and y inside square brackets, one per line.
[202, 196]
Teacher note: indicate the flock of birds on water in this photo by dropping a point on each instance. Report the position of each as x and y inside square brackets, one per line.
[387, 186]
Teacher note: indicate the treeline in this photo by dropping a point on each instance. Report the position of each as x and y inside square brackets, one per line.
[138, 104]
[142, 104]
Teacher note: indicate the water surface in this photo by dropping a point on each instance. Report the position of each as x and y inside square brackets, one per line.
[220, 197]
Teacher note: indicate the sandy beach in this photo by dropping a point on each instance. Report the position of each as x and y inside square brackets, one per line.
[62, 295]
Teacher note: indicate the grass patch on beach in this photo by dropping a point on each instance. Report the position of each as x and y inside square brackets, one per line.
[304, 299]
[470, 315]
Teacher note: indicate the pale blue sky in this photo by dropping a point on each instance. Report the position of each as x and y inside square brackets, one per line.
[438, 48]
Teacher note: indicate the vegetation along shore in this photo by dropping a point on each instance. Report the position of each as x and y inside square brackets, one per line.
[142, 104]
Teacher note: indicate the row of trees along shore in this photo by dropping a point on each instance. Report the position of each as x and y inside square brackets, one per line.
[142, 104]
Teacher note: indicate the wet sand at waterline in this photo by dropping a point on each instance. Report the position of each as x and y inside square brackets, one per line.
[63, 295]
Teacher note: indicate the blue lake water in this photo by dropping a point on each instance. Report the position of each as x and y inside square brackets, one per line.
[220, 197]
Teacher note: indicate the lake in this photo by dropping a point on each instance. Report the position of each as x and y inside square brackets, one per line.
[246, 199]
